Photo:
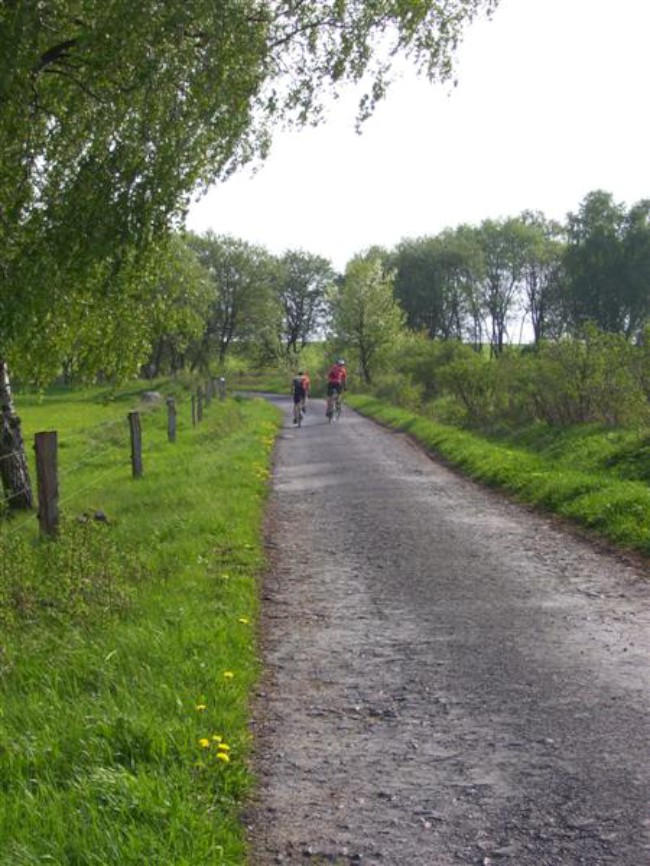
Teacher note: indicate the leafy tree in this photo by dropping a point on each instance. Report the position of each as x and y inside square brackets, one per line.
[503, 243]
[434, 282]
[242, 307]
[636, 253]
[594, 262]
[366, 318]
[301, 288]
[111, 116]
[543, 274]
[113, 113]
[179, 307]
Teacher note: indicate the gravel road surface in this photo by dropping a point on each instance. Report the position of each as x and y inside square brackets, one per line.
[450, 679]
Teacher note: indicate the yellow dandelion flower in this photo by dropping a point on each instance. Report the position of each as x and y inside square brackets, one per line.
[216, 738]
[200, 707]
[224, 747]
[222, 756]
[204, 743]
[228, 675]
[244, 620]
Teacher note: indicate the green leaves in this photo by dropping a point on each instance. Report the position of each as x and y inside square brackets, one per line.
[365, 315]
[114, 113]
[301, 284]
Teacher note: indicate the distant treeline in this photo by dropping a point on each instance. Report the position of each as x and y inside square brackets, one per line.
[204, 300]
[529, 275]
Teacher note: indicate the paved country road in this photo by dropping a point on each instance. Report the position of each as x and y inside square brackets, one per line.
[450, 679]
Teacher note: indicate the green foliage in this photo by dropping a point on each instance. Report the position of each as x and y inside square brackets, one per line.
[113, 115]
[127, 652]
[243, 308]
[591, 379]
[179, 306]
[398, 390]
[80, 577]
[599, 378]
[365, 315]
[435, 279]
[594, 261]
[301, 286]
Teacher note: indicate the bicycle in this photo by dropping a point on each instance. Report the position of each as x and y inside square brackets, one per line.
[297, 414]
[334, 407]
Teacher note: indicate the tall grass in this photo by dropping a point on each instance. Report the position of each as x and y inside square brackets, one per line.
[592, 475]
[128, 646]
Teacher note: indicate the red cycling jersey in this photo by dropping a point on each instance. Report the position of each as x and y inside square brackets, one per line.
[337, 375]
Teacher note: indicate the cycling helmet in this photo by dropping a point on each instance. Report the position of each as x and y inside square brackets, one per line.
[341, 362]
[300, 373]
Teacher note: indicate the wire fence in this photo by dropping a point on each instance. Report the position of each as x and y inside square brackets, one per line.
[49, 474]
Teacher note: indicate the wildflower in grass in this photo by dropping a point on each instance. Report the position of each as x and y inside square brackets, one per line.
[204, 743]
[228, 675]
[200, 708]
[216, 738]
[261, 472]
[223, 747]
[222, 756]
[244, 620]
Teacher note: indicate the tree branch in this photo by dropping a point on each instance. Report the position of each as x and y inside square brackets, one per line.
[54, 55]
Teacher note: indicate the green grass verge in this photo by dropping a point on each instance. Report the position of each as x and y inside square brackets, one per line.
[595, 477]
[127, 648]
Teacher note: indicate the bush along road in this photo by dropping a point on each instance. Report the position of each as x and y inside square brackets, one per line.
[449, 677]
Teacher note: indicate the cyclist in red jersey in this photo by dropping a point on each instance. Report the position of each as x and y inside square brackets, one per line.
[337, 378]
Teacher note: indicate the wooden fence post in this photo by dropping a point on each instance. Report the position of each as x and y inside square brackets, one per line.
[136, 444]
[171, 419]
[222, 388]
[199, 406]
[45, 445]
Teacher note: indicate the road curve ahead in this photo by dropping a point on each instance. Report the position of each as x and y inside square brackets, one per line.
[449, 678]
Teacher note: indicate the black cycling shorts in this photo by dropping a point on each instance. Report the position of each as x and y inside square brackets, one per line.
[334, 388]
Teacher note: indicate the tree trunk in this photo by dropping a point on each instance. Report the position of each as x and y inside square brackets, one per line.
[13, 463]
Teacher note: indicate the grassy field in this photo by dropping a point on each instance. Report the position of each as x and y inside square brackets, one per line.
[595, 476]
[127, 648]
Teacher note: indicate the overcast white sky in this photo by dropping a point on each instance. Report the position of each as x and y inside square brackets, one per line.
[552, 102]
